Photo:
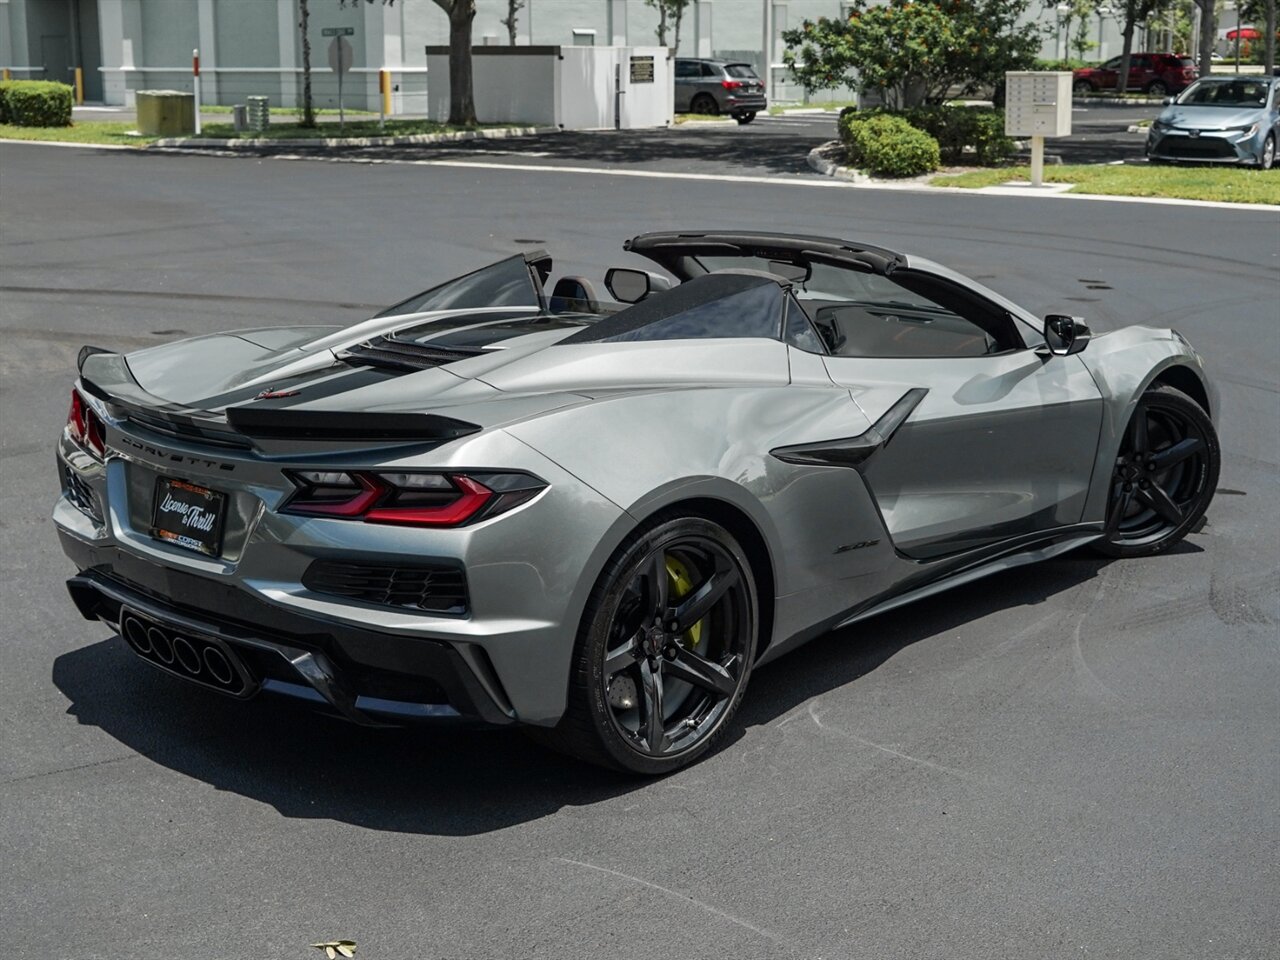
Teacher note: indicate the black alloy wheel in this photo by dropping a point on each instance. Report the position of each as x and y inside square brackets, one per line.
[665, 650]
[705, 104]
[1157, 88]
[1165, 475]
[1082, 88]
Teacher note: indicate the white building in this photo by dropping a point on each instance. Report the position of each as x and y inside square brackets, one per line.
[253, 46]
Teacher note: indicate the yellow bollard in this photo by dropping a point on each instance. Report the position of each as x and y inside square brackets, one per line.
[5, 75]
[384, 84]
[79, 85]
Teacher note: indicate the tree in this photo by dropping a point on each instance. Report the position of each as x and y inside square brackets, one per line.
[513, 7]
[1132, 13]
[913, 52]
[462, 98]
[308, 108]
[670, 13]
[1208, 34]
[1263, 10]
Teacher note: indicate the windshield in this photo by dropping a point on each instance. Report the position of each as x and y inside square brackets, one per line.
[1225, 93]
[507, 283]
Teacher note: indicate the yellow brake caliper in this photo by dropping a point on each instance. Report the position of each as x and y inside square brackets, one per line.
[682, 585]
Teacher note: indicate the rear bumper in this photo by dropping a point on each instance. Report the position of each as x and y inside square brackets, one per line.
[365, 676]
[745, 103]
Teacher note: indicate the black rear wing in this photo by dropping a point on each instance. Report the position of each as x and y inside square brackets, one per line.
[107, 377]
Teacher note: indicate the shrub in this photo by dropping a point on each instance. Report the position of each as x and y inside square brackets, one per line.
[35, 103]
[956, 128]
[888, 146]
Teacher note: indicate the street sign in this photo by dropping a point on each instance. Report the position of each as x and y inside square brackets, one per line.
[341, 55]
[338, 32]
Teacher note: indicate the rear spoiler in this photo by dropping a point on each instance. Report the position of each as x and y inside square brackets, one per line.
[107, 377]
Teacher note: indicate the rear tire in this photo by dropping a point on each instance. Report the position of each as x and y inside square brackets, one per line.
[705, 104]
[1165, 475]
[1082, 88]
[744, 118]
[661, 661]
[1158, 88]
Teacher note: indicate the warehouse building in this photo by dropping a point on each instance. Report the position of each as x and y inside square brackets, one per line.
[253, 47]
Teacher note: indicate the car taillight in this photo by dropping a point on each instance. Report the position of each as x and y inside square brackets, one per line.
[731, 84]
[85, 426]
[408, 498]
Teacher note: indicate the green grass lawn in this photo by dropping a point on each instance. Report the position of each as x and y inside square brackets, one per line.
[1227, 184]
[832, 106]
[701, 117]
[358, 128]
[292, 111]
[81, 131]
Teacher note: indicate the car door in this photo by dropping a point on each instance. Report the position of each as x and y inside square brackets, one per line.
[1108, 74]
[1141, 71]
[1001, 442]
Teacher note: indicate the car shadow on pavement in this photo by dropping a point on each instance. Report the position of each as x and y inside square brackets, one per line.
[458, 781]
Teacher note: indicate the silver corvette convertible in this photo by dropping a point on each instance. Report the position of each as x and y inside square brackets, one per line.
[507, 500]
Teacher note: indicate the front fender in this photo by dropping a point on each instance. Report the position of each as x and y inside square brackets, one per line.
[1124, 364]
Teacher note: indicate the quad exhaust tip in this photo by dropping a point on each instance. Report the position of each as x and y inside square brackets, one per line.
[193, 657]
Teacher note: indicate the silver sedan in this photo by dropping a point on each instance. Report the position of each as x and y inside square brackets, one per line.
[1232, 119]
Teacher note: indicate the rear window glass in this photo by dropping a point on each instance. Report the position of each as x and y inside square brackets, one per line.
[708, 307]
[740, 71]
[506, 283]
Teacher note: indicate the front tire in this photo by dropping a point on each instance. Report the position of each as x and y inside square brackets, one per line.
[1268, 158]
[664, 650]
[1165, 475]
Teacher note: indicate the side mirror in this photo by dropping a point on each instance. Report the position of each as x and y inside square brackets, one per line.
[1065, 335]
[632, 286]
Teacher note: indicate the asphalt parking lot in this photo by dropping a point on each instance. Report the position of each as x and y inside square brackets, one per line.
[769, 146]
[1074, 759]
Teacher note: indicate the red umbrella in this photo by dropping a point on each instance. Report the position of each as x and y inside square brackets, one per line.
[1244, 33]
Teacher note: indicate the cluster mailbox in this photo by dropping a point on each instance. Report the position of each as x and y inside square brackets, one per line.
[1037, 105]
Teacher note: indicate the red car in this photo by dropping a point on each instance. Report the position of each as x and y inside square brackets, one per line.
[1156, 73]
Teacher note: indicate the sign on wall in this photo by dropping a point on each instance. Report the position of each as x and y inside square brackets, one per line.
[642, 69]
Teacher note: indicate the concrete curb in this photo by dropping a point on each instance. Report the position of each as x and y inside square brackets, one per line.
[258, 143]
[702, 124]
[1116, 101]
[821, 163]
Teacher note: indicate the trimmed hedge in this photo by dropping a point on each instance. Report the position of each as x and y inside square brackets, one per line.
[35, 103]
[958, 127]
[888, 146]
[952, 128]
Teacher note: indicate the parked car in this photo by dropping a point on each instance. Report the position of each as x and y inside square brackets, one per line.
[1155, 73]
[1228, 119]
[596, 520]
[719, 86]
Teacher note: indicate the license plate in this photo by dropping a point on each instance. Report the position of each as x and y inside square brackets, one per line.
[188, 515]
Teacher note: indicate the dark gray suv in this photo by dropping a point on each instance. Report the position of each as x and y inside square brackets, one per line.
[719, 86]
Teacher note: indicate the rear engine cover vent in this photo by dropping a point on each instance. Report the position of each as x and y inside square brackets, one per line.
[433, 587]
[402, 354]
